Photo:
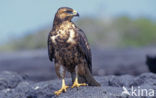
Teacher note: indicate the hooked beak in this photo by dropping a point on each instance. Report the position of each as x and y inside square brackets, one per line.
[75, 13]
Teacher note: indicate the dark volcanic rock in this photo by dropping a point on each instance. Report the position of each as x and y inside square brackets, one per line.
[9, 80]
[106, 61]
[111, 87]
[151, 62]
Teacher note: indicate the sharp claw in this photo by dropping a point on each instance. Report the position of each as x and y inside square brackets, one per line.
[78, 85]
[57, 93]
[64, 89]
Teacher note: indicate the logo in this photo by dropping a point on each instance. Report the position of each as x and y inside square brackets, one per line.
[137, 91]
[125, 91]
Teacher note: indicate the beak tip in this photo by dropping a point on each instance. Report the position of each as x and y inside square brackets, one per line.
[78, 14]
[75, 13]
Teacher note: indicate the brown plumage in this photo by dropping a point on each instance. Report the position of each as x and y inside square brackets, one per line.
[70, 50]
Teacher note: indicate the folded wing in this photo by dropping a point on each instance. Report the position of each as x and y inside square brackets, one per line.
[84, 48]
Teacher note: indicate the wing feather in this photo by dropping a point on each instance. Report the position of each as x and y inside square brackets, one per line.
[50, 48]
[85, 48]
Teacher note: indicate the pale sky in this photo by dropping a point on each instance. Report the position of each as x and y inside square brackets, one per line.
[20, 16]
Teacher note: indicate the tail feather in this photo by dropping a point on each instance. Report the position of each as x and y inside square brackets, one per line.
[89, 78]
[86, 78]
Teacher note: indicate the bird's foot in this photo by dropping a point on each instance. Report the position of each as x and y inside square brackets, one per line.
[76, 84]
[63, 89]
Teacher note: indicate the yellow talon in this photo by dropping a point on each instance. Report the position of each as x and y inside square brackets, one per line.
[63, 89]
[76, 84]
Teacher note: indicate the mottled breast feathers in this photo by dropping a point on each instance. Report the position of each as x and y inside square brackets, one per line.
[75, 37]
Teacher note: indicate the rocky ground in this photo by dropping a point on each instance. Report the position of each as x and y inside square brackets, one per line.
[106, 61]
[12, 85]
[30, 74]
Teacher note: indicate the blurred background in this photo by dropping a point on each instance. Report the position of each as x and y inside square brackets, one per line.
[121, 33]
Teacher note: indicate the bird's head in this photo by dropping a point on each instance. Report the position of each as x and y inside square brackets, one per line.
[66, 13]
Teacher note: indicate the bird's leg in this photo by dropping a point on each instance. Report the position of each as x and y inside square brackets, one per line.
[76, 83]
[63, 89]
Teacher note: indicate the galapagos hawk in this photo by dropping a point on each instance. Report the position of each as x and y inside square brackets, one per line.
[70, 50]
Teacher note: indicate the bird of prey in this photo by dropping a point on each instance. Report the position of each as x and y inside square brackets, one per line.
[68, 47]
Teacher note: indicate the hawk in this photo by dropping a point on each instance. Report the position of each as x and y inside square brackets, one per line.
[68, 47]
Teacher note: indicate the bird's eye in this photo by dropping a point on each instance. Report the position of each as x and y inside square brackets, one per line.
[70, 12]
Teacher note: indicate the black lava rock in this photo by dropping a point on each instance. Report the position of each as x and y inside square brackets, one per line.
[111, 87]
[9, 80]
[151, 62]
